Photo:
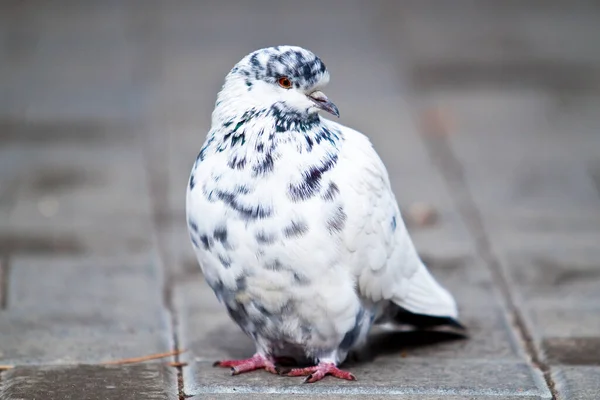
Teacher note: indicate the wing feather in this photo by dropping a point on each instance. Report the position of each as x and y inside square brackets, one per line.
[379, 249]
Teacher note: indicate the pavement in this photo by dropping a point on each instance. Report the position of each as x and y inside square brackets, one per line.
[485, 113]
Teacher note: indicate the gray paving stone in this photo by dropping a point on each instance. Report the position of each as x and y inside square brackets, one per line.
[530, 191]
[86, 183]
[277, 396]
[56, 130]
[74, 62]
[87, 382]
[204, 328]
[558, 291]
[489, 337]
[74, 197]
[178, 250]
[3, 282]
[539, 207]
[572, 350]
[578, 383]
[130, 236]
[73, 310]
[564, 321]
[508, 44]
[567, 274]
[209, 334]
[433, 377]
[490, 333]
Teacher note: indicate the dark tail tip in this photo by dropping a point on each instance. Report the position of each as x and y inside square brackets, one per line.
[426, 321]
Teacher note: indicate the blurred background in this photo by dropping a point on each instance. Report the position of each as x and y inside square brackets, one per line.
[486, 113]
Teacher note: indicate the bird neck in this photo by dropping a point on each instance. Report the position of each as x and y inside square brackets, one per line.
[260, 136]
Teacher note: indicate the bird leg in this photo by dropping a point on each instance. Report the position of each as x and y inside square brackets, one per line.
[257, 361]
[318, 372]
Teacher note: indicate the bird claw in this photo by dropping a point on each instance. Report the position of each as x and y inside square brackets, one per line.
[258, 361]
[255, 362]
[318, 372]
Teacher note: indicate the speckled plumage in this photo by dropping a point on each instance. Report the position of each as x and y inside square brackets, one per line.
[293, 219]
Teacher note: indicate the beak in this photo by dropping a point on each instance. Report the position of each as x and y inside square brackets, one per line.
[323, 103]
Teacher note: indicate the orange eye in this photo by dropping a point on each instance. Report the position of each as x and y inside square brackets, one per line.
[284, 82]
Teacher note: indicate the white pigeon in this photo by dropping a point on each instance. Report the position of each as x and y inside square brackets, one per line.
[295, 225]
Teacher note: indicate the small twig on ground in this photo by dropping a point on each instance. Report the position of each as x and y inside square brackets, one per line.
[6, 367]
[136, 360]
[177, 364]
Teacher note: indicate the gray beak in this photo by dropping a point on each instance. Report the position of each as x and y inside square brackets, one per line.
[323, 103]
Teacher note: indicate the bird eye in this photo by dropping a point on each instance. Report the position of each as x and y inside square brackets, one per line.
[284, 82]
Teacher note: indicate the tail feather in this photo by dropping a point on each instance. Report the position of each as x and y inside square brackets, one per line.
[402, 316]
[425, 296]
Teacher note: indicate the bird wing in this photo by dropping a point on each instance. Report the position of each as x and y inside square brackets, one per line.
[376, 243]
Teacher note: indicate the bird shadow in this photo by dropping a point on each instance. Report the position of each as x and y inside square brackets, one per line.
[398, 342]
[236, 345]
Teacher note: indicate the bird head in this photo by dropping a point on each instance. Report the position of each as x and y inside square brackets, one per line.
[282, 76]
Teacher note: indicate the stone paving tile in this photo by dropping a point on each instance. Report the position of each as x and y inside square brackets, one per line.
[77, 309]
[563, 320]
[73, 184]
[560, 294]
[513, 44]
[249, 396]
[177, 249]
[90, 382]
[209, 334]
[516, 166]
[524, 152]
[55, 130]
[567, 275]
[74, 198]
[68, 60]
[204, 328]
[488, 337]
[128, 237]
[490, 333]
[429, 376]
[3, 282]
[578, 383]
[554, 282]
[572, 350]
[539, 209]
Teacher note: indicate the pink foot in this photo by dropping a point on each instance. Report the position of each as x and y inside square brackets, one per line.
[257, 361]
[318, 372]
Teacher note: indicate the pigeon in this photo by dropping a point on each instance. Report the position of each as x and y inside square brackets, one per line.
[295, 225]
